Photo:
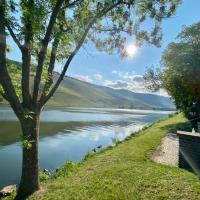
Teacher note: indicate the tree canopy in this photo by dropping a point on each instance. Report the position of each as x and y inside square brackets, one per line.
[181, 71]
[48, 32]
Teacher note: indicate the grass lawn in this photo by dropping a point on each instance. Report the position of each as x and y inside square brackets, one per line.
[125, 172]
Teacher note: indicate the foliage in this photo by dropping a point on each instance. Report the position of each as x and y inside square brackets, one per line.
[126, 172]
[180, 73]
[26, 142]
[110, 22]
[14, 73]
[182, 60]
[152, 79]
[67, 169]
[44, 176]
[48, 32]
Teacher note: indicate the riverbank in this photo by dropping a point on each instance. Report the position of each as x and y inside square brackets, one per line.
[125, 172]
[68, 134]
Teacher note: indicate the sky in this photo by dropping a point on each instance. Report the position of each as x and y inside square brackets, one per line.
[111, 70]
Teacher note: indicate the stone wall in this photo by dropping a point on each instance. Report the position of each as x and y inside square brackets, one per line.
[189, 151]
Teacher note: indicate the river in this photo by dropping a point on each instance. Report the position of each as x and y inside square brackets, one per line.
[67, 134]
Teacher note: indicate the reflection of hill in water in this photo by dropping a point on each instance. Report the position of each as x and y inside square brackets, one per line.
[75, 121]
[10, 131]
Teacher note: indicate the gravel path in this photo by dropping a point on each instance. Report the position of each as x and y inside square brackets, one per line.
[167, 152]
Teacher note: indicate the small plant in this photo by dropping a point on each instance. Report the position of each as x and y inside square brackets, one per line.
[28, 114]
[26, 142]
[88, 155]
[44, 176]
[171, 115]
[69, 167]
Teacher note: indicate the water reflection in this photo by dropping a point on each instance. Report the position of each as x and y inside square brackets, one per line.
[67, 134]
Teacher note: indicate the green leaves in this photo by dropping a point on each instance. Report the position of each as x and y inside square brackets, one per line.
[181, 72]
[26, 142]
[152, 79]
[28, 114]
[15, 73]
[122, 21]
[182, 59]
[110, 24]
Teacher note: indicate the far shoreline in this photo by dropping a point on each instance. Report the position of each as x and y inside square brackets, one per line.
[52, 107]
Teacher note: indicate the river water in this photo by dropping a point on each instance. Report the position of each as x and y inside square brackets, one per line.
[67, 134]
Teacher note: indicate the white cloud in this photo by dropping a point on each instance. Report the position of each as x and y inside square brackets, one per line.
[98, 77]
[134, 83]
[119, 73]
[114, 72]
[119, 84]
[162, 92]
[84, 78]
[107, 83]
[123, 75]
[133, 78]
[127, 80]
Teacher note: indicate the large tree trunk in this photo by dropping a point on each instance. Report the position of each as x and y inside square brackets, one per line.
[30, 167]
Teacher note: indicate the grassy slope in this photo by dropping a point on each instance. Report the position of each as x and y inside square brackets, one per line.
[76, 93]
[125, 172]
[73, 92]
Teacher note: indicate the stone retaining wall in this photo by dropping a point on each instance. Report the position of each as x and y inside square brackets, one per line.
[189, 151]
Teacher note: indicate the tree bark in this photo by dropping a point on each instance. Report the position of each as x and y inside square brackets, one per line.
[30, 165]
[26, 62]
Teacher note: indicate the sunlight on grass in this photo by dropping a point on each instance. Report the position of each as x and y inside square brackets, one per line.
[125, 172]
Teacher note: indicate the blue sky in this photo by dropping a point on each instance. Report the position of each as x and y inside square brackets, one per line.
[110, 70]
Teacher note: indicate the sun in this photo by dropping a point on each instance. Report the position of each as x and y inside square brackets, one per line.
[131, 50]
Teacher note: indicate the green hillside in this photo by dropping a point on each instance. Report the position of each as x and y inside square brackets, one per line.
[73, 92]
[76, 93]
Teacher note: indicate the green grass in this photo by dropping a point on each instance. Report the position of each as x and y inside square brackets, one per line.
[125, 172]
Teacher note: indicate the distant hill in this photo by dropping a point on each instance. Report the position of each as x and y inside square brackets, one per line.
[76, 93]
[73, 92]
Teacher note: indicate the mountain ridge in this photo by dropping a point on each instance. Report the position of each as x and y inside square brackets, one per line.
[77, 93]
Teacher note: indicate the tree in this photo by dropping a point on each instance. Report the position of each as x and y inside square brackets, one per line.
[180, 73]
[48, 32]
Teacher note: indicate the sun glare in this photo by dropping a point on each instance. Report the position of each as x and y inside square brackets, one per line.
[131, 50]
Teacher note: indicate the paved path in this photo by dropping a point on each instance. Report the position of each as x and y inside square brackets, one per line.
[167, 151]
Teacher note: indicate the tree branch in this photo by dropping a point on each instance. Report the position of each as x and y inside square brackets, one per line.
[5, 79]
[4, 96]
[71, 4]
[26, 56]
[25, 80]
[42, 53]
[49, 80]
[15, 39]
[108, 29]
[81, 41]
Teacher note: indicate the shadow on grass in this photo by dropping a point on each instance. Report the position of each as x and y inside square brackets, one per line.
[185, 126]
